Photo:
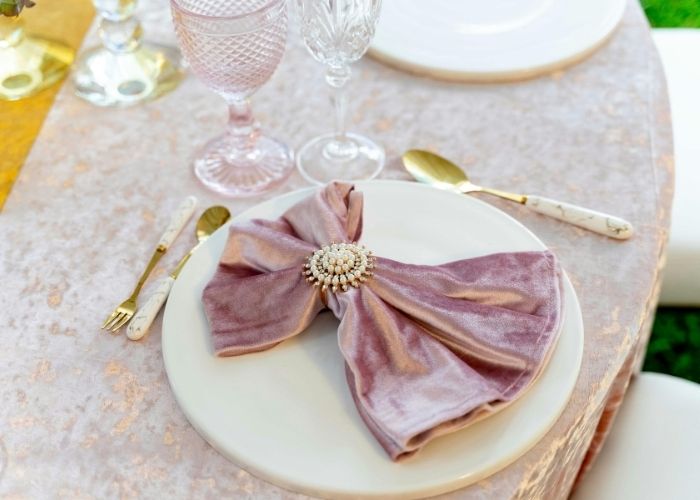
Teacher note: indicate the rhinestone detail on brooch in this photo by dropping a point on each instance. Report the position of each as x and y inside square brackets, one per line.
[338, 266]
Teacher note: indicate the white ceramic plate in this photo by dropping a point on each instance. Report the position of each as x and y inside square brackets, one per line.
[286, 414]
[477, 40]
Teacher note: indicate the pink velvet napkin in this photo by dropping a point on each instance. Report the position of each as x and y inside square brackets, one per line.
[428, 349]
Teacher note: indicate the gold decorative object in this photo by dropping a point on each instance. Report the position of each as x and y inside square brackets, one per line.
[29, 63]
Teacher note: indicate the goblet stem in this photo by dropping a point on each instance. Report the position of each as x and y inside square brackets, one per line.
[242, 128]
[119, 30]
[341, 148]
[124, 70]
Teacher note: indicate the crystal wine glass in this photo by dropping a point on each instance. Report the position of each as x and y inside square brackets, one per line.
[234, 47]
[337, 33]
[124, 70]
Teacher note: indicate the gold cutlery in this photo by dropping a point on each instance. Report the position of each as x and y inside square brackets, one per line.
[440, 172]
[210, 220]
[126, 309]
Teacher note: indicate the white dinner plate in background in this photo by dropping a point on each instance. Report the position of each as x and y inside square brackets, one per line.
[493, 40]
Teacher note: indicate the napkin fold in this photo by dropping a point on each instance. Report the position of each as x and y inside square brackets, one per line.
[428, 349]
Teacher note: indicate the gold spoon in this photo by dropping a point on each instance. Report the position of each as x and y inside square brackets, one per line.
[210, 220]
[440, 172]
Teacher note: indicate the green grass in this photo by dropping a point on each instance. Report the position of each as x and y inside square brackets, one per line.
[674, 346]
[673, 13]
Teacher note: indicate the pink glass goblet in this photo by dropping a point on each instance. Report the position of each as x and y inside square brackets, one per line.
[234, 48]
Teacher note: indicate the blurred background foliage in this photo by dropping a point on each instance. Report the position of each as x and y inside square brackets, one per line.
[674, 347]
[673, 13]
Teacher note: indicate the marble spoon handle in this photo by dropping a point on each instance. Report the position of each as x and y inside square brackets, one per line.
[598, 222]
[147, 313]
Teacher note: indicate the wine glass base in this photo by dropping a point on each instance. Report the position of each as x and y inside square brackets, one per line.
[222, 169]
[319, 167]
[107, 78]
[31, 66]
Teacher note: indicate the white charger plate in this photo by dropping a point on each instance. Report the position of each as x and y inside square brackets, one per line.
[495, 40]
[287, 415]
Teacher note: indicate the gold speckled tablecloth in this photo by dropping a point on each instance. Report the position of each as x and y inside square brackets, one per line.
[86, 414]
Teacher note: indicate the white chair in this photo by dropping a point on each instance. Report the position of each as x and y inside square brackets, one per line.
[653, 451]
[680, 53]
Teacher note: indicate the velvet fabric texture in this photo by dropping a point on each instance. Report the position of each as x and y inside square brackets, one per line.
[428, 349]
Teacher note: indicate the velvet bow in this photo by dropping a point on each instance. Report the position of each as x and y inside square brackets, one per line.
[428, 349]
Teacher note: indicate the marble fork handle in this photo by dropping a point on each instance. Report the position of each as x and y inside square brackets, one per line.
[598, 222]
[147, 313]
[179, 218]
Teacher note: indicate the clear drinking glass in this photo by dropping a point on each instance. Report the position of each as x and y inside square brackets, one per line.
[337, 33]
[124, 70]
[234, 47]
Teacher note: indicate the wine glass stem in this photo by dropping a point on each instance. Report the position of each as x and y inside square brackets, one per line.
[341, 148]
[242, 127]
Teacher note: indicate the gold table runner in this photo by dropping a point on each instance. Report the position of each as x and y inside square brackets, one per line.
[20, 121]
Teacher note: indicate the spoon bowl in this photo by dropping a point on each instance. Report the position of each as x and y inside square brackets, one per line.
[430, 168]
[433, 169]
[211, 220]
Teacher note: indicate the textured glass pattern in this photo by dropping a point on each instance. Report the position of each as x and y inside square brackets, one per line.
[338, 32]
[232, 53]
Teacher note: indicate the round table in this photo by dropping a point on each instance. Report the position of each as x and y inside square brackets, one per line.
[89, 413]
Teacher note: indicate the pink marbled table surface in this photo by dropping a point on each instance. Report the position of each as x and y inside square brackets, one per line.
[85, 414]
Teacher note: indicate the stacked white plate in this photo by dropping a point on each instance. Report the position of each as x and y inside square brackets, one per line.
[287, 415]
[493, 40]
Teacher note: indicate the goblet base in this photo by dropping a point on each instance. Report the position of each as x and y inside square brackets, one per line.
[223, 168]
[322, 159]
[107, 78]
[31, 66]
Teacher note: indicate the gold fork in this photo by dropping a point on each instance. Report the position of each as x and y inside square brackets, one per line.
[124, 311]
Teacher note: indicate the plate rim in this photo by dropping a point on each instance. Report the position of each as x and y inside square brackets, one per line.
[514, 72]
[302, 486]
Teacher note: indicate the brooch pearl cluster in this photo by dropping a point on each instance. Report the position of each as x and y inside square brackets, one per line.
[338, 266]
